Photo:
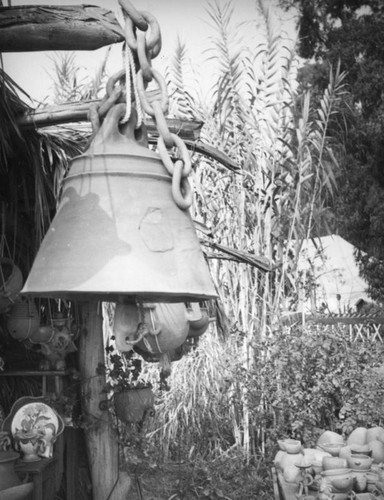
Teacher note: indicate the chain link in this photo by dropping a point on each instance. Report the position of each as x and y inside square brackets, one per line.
[147, 47]
[143, 38]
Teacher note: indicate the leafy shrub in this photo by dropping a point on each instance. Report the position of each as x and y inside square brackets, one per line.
[314, 378]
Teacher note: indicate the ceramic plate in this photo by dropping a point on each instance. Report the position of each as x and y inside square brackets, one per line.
[28, 412]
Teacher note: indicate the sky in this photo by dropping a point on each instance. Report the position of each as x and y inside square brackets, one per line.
[186, 19]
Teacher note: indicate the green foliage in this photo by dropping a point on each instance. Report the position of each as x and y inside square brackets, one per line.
[348, 34]
[314, 378]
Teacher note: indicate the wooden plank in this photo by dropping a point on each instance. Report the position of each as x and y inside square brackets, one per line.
[189, 130]
[78, 111]
[47, 27]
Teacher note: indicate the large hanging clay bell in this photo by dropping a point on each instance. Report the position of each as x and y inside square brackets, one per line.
[11, 282]
[118, 231]
[23, 321]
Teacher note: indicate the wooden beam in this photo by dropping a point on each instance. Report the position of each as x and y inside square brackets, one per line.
[73, 27]
[78, 111]
[189, 130]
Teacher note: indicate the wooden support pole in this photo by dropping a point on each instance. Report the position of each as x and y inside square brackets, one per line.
[46, 27]
[102, 446]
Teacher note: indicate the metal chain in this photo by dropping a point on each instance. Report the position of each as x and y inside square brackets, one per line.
[147, 47]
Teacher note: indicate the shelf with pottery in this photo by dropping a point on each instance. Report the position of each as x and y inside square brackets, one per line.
[58, 376]
[338, 468]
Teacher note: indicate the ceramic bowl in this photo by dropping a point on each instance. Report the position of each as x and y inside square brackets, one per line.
[361, 449]
[332, 448]
[291, 446]
[359, 462]
[334, 463]
[341, 479]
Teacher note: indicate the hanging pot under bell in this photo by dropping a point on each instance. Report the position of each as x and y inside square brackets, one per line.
[118, 231]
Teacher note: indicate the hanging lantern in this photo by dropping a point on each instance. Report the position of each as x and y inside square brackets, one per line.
[118, 231]
[24, 320]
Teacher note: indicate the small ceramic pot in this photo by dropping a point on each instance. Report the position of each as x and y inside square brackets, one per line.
[341, 479]
[332, 448]
[359, 462]
[334, 463]
[291, 446]
[361, 449]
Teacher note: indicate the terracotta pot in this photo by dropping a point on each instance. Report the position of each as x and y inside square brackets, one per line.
[8, 476]
[42, 335]
[360, 462]
[292, 446]
[329, 437]
[361, 449]
[330, 463]
[358, 436]
[23, 320]
[375, 433]
[332, 448]
[341, 479]
[377, 451]
[131, 404]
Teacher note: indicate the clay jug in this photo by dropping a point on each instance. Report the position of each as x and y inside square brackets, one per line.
[8, 476]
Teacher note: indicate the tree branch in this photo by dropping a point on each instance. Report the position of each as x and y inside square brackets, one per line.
[73, 27]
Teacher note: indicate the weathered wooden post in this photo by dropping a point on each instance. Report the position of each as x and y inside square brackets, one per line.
[102, 446]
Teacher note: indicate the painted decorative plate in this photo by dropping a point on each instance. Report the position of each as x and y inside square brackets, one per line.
[30, 413]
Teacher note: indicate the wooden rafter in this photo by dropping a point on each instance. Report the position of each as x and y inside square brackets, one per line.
[189, 130]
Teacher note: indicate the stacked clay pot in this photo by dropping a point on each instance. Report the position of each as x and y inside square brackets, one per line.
[343, 468]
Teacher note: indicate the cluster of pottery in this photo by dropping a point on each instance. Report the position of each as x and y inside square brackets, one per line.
[337, 469]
